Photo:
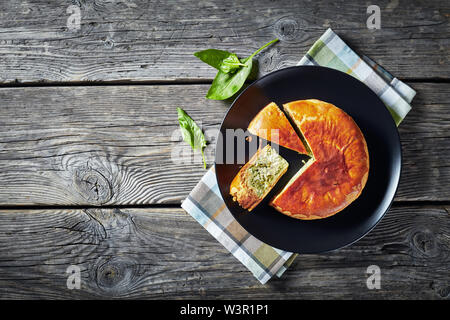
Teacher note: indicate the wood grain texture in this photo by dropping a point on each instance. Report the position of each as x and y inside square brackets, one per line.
[140, 40]
[120, 145]
[165, 254]
[94, 146]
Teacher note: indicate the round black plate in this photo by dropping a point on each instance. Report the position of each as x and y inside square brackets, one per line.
[378, 127]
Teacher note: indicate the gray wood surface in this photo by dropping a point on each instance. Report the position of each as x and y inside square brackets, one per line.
[142, 40]
[92, 170]
[164, 253]
[119, 145]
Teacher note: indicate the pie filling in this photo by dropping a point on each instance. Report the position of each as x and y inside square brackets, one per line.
[264, 173]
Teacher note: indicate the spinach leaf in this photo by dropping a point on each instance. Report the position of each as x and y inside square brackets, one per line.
[226, 84]
[231, 63]
[191, 133]
[213, 57]
[221, 60]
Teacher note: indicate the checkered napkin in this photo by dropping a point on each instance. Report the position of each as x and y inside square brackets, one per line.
[205, 204]
[330, 51]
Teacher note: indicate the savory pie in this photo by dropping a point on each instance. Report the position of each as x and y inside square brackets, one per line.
[257, 177]
[338, 170]
[272, 124]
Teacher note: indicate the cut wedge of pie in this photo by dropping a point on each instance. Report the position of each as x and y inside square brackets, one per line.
[257, 177]
[338, 170]
[271, 124]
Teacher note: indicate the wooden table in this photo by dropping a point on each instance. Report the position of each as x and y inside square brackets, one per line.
[87, 127]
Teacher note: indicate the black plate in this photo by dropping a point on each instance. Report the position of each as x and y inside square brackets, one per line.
[378, 127]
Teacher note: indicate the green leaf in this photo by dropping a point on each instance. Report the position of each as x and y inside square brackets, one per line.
[226, 84]
[230, 64]
[221, 60]
[213, 57]
[191, 133]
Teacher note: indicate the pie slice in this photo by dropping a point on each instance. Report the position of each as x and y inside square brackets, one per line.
[338, 170]
[272, 124]
[257, 177]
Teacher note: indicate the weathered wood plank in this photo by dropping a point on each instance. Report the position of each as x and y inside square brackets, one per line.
[117, 145]
[164, 253]
[143, 40]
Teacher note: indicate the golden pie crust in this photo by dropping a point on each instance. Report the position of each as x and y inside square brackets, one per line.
[272, 118]
[339, 169]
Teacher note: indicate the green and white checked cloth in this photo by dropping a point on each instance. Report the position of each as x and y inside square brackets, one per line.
[330, 51]
[205, 204]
